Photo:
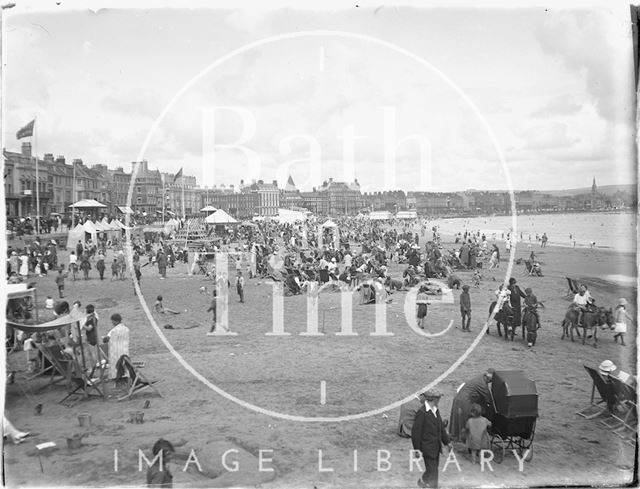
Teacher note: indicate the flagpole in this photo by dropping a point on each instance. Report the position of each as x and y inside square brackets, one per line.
[163, 199]
[73, 197]
[35, 150]
[184, 215]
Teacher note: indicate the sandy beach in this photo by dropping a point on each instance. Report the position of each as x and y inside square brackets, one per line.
[284, 375]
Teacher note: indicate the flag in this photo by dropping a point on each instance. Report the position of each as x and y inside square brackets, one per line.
[26, 131]
[178, 175]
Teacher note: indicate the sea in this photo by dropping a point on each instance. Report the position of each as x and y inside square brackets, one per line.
[613, 230]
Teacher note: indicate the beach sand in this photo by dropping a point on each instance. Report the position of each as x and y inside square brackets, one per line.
[361, 372]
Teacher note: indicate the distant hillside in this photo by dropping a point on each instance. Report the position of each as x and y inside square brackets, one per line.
[605, 189]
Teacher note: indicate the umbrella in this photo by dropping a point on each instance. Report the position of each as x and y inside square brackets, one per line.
[249, 224]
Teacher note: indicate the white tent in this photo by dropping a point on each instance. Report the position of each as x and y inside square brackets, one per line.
[79, 233]
[109, 226]
[329, 224]
[171, 225]
[407, 215]
[87, 204]
[208, 208]
[379, 215]
[220, 217]
[91, 229]
[119, 225]
[289, 216]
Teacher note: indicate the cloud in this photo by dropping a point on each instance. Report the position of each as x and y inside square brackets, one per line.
[134, 101]
[547, 136]
[564, 104]
[588, 43]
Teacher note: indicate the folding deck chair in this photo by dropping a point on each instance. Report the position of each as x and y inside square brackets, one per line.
[79, 384]
[626, 397]
[59, 364]
[574, 288]
[137, 381]
[607, 397]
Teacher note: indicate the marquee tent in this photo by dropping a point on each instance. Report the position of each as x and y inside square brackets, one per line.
[87, 204]
[208, 208]
[407, 215]
[220, 217]
[289, 216]
[379, 215]
[329, 224]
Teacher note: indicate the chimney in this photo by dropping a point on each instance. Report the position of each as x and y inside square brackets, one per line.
[331, 180]
[26, 149]
[261, 182]
[48, 157]
[241, 182]
[60, 159]
[275, 182]
[77, 161]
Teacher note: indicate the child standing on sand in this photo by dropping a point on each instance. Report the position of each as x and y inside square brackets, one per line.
[465, 308]
[621, 316]
[60, 281]
[476, 431]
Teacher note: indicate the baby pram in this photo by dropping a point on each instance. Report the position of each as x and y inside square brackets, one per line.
[515, 410]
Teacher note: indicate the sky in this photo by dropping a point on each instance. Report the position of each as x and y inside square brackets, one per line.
[397, 97]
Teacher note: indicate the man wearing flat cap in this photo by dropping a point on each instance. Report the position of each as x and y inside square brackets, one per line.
[428, 434]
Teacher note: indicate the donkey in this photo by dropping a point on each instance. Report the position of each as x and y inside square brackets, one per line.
[591, 320]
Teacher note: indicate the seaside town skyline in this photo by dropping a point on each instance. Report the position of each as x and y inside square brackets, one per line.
[62, 184]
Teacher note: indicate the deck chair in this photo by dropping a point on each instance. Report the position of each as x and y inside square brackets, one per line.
[137, 381]
[574, 288]
[528, 266]
[626, 397]
[605, 391]
[79, 385]
[59, 364]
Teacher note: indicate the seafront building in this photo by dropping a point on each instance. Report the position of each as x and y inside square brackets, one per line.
[166, 194]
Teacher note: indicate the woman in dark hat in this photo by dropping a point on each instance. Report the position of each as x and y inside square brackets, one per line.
[514, 298]
[474, 391]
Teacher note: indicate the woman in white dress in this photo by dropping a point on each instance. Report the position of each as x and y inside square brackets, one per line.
[118, 339]
[24, 265]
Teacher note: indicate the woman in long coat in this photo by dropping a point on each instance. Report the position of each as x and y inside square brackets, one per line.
[516, 294]
[464, 254]
[118, 339]
[475, 391]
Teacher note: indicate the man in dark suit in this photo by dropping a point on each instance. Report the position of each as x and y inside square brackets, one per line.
[428, 434]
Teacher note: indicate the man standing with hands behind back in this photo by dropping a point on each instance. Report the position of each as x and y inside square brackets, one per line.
[428, 434]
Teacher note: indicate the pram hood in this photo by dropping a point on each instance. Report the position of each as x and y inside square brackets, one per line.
[514, 395]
